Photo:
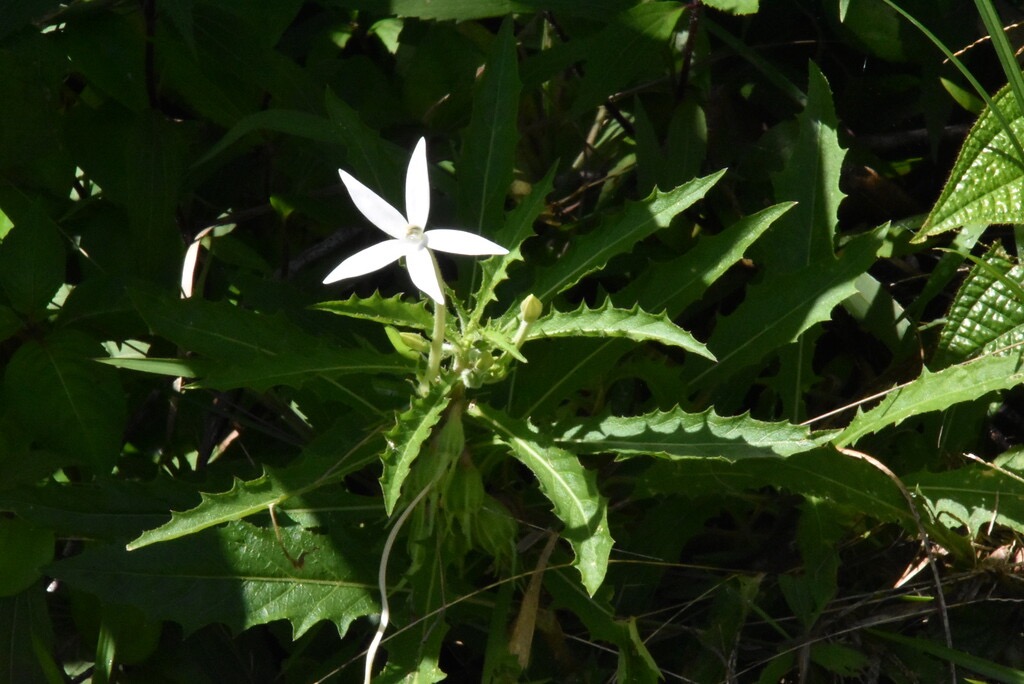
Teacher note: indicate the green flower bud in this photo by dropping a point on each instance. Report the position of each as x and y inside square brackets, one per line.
[531, 309]
[415, 341]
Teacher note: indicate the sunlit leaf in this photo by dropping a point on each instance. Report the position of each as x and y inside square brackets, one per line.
[387, 310]
[239, 575]
[937, 392]
[676, 434]
[986, 184]
[406, 441]
[607, 321]
[324, 461]
[570, 487]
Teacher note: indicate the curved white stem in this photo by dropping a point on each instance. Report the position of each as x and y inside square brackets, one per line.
[382, 583]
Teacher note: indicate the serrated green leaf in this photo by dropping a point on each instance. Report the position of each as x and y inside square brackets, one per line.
[987, 180]
[974, 496]
[671, 285]
[327, 459]
[676, 284]
[676, 434]
[66, 400]
[821, 472]
[406, 439]
[777, 311]
[517, 228]
[937, 392]
[607, 321]
[245, 349]
[109, 511]
[489, 144]
[617, 234]
[571, 488]
[387, 310]
[811, 179]
[238, 575]
[987, 312]
[263, 372]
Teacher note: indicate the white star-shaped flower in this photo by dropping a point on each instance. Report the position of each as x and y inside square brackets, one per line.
[409, 238]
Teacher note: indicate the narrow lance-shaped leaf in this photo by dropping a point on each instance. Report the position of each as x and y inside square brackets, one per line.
[617, 234]
[821, 472]
[305, 365]
[810, 178]
[936, 392]
[571, 488]
[673, 285]
[387, 310]
[677, 434]
[406, 440]
[301, 124]
[517, 228]
[777, 312]
[607, 321]
[488, 156]
[327, 459]
[239, 575]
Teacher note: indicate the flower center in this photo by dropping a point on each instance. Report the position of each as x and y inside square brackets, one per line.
[414, 235]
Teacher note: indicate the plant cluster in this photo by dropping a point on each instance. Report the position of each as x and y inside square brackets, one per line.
[690, 354]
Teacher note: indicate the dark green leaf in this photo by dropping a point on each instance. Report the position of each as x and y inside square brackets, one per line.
[570, 487]
[777, 311]
[326, 460]
[31, 261]
[804, 236]
[627, 47]
[618, 234]
[67, 400]
[489, 145]
[26, 550]
[238, 575]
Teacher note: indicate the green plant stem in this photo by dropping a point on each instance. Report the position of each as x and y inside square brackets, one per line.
[436, 343]
[436, 347]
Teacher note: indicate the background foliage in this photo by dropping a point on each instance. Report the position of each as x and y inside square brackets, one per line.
[764, 430]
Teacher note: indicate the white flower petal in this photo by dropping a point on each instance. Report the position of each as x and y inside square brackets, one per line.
[417, 186]
[378, 211]
[461, 242]
[370, 259]
[423, 273]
